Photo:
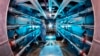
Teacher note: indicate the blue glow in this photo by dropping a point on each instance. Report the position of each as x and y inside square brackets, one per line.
[50, 37]
[66, 26]
[50, 5]
[51, 51]
[50, 25]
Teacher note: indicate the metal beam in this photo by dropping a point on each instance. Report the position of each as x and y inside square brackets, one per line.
[87, 10]
[50, 5]
[38, 7]
[15, 26]
[28, 5]
[13, 10]
[82, 25]
[88, 26]
[78, 0]
[9, 27]
[61, 7]
[55, 3]
[80, 38]
[24, 48]
[76, 6]
[77, 48]
[21, 1]
[14, 42]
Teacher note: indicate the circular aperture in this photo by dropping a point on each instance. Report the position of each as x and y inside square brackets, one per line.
[50, 27]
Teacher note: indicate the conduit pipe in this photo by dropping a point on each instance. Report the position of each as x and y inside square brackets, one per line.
[84, 40]
[14, 42]
[81, 52]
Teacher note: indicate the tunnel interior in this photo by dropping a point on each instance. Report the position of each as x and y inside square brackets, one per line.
[50, 27]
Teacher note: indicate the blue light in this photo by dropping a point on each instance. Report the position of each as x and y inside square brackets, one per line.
[66, 26]
[50, 37]
[50, 25]
[51, 55]
[34, 26]
[50, 5]
[51, 51]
